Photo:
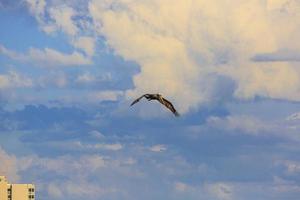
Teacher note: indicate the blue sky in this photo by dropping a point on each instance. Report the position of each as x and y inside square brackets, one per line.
[70, 69]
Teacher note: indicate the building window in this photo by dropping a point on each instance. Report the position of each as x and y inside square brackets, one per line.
[31, 189]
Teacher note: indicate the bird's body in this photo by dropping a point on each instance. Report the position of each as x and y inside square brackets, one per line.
[159, 98]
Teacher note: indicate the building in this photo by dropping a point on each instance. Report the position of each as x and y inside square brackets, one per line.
[16, 191]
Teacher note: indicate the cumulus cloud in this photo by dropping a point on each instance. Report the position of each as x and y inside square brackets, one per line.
[184, 47]
[79, 172]
[62, 17]
[37, 8]
[76, 171]
[194, 52]
[54, 16]
[87, 44]
[47, 57]
[8, 166]
[286, 127]
[14, 80]
[245, 124]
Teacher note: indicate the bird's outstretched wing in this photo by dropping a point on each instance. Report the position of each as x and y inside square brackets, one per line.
[159, 98]
[170, 106]
[137, 100]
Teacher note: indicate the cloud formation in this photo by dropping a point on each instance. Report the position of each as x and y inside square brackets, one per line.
[194, 52]
[47, 57]
[87, 44]
[184, 47]
[54, 17]
[9, 166]
[158, 148]
[218, 190]
[62, 20]
[240, 124]
[13, 79]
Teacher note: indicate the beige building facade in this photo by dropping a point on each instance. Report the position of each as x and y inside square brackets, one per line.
[16, 191]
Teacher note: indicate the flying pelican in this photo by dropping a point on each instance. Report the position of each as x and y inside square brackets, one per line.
[159, 98]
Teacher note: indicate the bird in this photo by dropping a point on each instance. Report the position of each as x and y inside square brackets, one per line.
[159, 98]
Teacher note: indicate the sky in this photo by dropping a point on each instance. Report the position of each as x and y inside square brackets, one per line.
[70, 69]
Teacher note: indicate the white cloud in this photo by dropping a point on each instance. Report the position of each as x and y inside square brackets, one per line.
[67, 99]
[287, 129]
[47, 57]
[96, 134]
[37, 8]
[216, 190]
[82, 146]
[84, 176]
[103, 95]
[113, 147]
[292, 167]
[184, 47]
[284, 186]
[89, 78]
[8, 166]
[293, 117]
[87, 44]
[78, 189]
[158, 148]
[86, 77]
[220, 191]
[14, 80]
[53, 78]
[65, 164]
[55, 16]
[62, 17]
[194, 52]
[86, 189]
[246, 124]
